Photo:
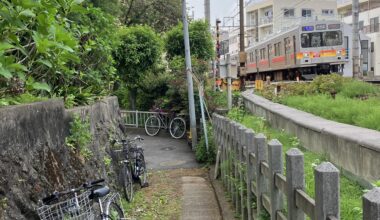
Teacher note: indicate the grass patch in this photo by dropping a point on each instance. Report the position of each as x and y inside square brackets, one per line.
[350, 192]
[332, 97]
[362, 113]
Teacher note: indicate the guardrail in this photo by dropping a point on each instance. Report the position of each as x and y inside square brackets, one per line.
[138, 118]
[252, 171]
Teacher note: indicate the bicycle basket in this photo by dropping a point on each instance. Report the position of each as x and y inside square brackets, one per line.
[72, 208]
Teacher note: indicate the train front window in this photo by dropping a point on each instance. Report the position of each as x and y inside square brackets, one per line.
[321, 39]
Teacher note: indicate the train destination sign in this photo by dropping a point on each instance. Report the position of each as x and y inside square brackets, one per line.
[307, 28]
[320, 27]
[334, 26]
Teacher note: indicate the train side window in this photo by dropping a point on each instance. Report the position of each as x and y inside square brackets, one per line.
[372, 47]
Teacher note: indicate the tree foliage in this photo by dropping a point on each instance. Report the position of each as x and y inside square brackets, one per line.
[139, 53]
[201, 44]
[159, 14]
[60, 47]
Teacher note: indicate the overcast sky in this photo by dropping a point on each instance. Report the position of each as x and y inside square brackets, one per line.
[219, 8]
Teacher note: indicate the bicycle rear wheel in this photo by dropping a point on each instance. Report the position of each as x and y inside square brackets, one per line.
[115, 212]
[177, 128]
[142, 169]
[127, 183]
[152, 125]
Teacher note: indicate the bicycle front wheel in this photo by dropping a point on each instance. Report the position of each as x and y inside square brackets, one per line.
[177, 128]
[127, 183]
[115, 212]
[152, 125]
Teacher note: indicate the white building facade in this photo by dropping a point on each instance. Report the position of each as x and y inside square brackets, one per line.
[369, 24]
[267, 17]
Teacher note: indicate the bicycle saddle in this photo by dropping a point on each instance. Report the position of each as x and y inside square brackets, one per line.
[100, 192]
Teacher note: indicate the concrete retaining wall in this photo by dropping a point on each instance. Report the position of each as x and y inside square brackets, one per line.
[355, 150]
[34, 160]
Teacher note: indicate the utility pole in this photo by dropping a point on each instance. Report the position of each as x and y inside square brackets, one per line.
[229, 90]
[355, 40]
[242, 54]
[217, 71]
[208, 12]
[190, 90]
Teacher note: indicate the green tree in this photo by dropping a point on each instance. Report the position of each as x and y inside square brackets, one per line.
[139, 53]
[159, 14]
[201, 44]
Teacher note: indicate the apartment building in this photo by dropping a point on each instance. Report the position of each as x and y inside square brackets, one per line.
[266, 17]
[369, 24]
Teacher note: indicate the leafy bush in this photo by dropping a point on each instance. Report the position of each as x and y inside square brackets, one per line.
[20, 99]
[201, 153]
[56, 48]
[328, 84]
[80, 137]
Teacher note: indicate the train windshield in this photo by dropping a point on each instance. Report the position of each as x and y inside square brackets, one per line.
[321, 39]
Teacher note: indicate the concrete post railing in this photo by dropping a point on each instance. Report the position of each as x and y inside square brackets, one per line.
[248, 161]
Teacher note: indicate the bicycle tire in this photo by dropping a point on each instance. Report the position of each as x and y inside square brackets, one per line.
[115, 212]
[177, 127]
[127, 183]
[152, 125]
[142, 170]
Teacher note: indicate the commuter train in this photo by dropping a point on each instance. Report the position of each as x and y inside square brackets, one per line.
[319, 47]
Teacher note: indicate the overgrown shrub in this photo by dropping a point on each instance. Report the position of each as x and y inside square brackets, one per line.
[80, 137]
[201, 153]
[328, 84]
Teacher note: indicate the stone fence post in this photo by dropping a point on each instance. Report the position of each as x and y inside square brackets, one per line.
[249, 139]
[261, 155]
[371, 205]
[326, 191]
[275, 166]
[295, 179]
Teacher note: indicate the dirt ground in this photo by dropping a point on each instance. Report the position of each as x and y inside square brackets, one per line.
[162, 199]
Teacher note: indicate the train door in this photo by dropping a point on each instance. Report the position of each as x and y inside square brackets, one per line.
[269, 55]
[294, 50]
[347, 47]
[287, 51]
[364, 55]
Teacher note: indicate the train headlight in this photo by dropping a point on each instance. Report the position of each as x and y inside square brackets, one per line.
[339, 52]
[305, 55]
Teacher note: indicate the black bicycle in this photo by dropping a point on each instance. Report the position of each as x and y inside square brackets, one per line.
[133, 165]
[78, 203]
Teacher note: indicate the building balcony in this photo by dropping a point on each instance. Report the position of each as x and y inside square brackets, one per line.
[265, 21]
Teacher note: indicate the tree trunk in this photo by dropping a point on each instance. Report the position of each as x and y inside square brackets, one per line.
[132, 98]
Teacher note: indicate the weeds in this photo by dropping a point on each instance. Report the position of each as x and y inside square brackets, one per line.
[80, 137]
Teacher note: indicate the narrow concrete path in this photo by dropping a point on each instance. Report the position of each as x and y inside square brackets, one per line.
[199, 202]
[162, 153]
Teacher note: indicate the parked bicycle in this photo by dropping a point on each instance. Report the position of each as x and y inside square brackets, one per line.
[177, 125]
[78, 203]
[133, 165]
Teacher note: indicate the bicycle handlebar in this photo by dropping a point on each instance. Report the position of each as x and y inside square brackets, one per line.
[56, 195]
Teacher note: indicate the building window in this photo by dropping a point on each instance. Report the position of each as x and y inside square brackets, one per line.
[306, 12]
[361, 25]
[268, 13]
[374, 25]
[327, 12]
[372, 47]
[288, 12]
